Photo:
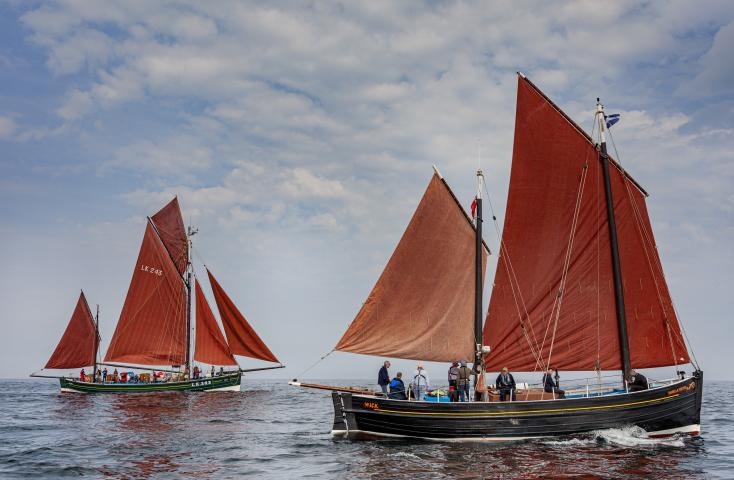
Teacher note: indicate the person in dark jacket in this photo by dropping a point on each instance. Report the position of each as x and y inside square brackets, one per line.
[506, 385]
[550, 383]
[637, 382]
[397, 388]
[383, 377]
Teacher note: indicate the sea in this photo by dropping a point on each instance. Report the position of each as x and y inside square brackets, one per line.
[273, 430]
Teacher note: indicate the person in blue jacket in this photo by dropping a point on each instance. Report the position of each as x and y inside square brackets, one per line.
[383, 377]
[397, 388]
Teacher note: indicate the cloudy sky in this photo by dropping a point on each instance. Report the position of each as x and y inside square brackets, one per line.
[299, 138]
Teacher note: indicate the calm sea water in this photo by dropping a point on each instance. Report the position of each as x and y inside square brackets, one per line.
[271, 430]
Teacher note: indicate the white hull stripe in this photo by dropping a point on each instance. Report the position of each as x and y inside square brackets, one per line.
[689, 429]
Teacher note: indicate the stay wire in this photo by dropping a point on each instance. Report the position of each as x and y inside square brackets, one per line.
[315, 363]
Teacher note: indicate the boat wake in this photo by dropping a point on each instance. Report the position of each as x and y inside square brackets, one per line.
[631, 436]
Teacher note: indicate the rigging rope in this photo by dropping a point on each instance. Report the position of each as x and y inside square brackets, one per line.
[504, 253]
[316, 363]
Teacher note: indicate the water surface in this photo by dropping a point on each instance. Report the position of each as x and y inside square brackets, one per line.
[271, 430]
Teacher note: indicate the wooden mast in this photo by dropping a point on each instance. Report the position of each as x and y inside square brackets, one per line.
[96, 344]
[478, 285]
[190, 233]
[616, 268]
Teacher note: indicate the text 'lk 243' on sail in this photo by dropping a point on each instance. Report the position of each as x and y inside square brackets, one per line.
[155, 327]
[579, 286]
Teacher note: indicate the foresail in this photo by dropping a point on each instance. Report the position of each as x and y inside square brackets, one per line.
[211, 347]
[422, 306]
[550, 159]
[152, 325]
[241, 337]
[78, 344]
[170, 227]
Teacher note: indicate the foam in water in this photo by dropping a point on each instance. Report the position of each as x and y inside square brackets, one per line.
[631, 436]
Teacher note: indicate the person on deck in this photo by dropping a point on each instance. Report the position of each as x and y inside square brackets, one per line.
[196, 371]
[115, 376]
[82, 376]
[397, 388]
[453, 377]
[637, 382]
[383, 377]
[104, 375]
[99, 377]
[550, 383]
[213, 372]
[420, 382]
[221, 371]
[463, 380]
[506, 385]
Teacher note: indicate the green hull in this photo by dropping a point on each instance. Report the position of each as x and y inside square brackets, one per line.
[224, 382]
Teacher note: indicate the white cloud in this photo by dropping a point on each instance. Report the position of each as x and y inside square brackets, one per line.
[300, 183]
[7, 127]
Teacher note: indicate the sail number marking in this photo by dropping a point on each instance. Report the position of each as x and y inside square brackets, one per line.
[202, 383]
[152, 270]
[371, 405]
[684, 388]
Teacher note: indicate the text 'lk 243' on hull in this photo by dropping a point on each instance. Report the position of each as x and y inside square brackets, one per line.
[227, 382]
[661, 411]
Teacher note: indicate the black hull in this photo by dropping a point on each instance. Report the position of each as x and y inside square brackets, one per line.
[661, 411]
[230, 382]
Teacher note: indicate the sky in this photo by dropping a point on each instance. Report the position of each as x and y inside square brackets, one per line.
[299, 137]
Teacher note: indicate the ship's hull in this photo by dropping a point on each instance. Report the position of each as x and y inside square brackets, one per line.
[661, 411]
[227, 382]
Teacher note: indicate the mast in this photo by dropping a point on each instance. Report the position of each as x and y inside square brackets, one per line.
[190, 233]
[478, 285]
[96, 343]
[616, 269]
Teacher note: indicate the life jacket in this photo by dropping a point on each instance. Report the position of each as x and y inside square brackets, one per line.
[397, 385]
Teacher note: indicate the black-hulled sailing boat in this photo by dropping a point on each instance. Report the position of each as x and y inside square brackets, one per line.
[579, 286]
[154, 328]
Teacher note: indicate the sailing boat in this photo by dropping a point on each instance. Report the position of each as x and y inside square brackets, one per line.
[154, 328]
[578, 286]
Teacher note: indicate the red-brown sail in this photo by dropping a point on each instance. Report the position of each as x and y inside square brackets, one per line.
[170, 226]
[422, 306]
[556, 213]
[241, 337]
[655, 337]
[78, 345]
[211, 347]
[152, 325]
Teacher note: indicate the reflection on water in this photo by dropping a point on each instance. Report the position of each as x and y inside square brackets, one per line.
[271, 430]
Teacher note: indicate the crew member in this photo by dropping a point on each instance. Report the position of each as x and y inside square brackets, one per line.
[420, 382]
[383, 377]
[637, 382]
[550, 383]
[506, 385]
[453, 377]
[462, 382]
[397, 388]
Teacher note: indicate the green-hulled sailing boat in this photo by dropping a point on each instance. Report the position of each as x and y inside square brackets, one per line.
[154, 331]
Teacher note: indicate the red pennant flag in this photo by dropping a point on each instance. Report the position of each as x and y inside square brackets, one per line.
[473, 208]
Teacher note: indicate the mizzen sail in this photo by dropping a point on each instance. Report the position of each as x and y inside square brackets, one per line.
[422, 306]
[211, 347]
[170, 227]
[241, 337]
[553, 295]
[78, 345]
[152, 325]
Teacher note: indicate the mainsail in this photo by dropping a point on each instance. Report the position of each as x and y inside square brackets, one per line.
[553, 295]
[170, 227]
[241, 337]
[78, 345]
[422, 305]
[152, 325]
[211, 347]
